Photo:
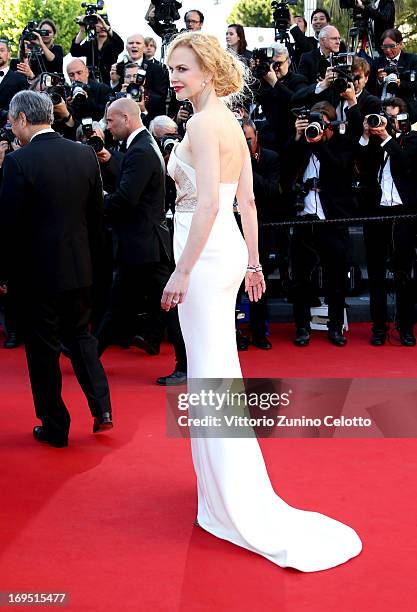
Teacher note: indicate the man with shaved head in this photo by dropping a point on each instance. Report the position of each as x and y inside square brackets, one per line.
[136, 210]
[96, 94]
[156, 76]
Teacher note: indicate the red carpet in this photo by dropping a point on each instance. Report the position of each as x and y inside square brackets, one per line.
[110, 519]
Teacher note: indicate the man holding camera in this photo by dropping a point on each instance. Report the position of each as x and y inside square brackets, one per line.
[52, 240]
[314, 64]
[395, 72]
[88, 98]
[382, 15]
[102, 49]
[155, 76]
[322, 163]
[387, 161]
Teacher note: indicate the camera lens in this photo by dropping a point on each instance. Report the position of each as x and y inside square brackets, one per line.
[96, 143]
[374, 121]
[313, 130]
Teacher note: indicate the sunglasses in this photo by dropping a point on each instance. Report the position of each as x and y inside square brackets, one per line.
[392, 46]
[278, 64]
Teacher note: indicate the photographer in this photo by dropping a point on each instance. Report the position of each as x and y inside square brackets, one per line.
[382, 14]
[102, 50]
[156, 76]
[322, 163]
[193, 19]
[302, 43]
[277, 88]
[88, 98]
[10, 82]
[313, 64]
[395, 73]
[266, 188]
[51, 55]
[387, 160]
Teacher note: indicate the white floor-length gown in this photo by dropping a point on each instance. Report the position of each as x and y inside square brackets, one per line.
[236, 501]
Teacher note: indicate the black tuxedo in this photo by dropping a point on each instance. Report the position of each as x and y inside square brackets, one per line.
[407, 89]
[136, 211]
[328, 243]
[10, 85]
[312, 64]
[396, 239]
[51, 206]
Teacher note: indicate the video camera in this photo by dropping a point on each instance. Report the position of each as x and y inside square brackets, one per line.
[30, 31]
[167, 10]
[90, 20]
[281, 15]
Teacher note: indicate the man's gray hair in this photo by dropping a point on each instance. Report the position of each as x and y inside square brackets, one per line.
[280, 49]
[37, 107]
[324, 32]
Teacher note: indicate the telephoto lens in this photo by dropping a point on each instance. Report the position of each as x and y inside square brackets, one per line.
[374, 120]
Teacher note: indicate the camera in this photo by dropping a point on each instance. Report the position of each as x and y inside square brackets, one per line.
[92, 141]
[116, 95]
[342, 63]
[6, 135]
[300, 192]
[90, 20]
[281, 15]
[30, 31]
[54, 85]
[168, 142]
[395, 72]
[79, 98]
[263, 58]
[167, 10]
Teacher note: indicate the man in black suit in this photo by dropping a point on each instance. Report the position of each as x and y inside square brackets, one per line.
[10, 82]
[320, 18]
[404, 64]
[323, 164]
[313, 64]
[52, 243]
[157, 80]
[136, 211]
[387, 158]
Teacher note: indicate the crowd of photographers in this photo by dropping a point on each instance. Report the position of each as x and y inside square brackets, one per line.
[329, 129]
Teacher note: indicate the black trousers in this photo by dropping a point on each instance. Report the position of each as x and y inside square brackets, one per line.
[395, 241]
[311, 245]
[48, 321]
[135, 287]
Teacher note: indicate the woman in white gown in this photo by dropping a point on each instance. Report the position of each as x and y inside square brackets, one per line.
[236, 501]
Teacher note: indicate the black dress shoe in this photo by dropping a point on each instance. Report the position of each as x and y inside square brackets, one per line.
[40, 435]
[176, 378]
[378, 337]
[336, 337]
[302, 336]
[241, 341]
[407, 338]
[11, 341]
[152, 348]
[261, 342]
[102, 423]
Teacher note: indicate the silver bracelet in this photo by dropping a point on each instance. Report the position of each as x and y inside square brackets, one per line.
[257, 268]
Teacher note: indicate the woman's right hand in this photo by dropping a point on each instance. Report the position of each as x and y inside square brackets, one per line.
[255, 285]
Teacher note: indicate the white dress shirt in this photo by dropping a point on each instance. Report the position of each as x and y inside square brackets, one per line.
[312, 203]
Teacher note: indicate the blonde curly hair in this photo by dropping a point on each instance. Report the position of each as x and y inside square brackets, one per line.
[227, 70]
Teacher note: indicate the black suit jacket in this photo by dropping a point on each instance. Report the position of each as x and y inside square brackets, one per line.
[303, 43]
[136, 209]
[311, 64]
[10, 85]
[403, 162]
[51, 211]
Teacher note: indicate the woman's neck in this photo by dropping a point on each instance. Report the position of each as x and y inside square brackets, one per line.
[204, 99]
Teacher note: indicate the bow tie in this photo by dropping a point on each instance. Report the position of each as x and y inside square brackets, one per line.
[1, 73]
